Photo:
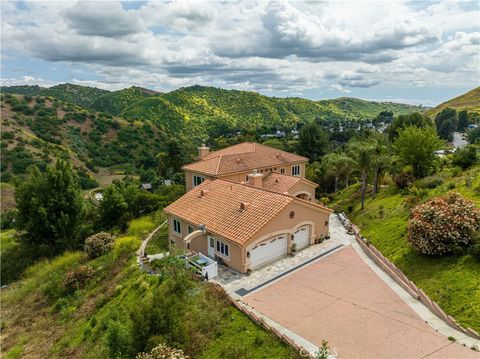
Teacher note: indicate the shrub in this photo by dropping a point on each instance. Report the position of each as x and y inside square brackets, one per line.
[430, 182]
[119, 340]
[163, 352]
[443, 225]
[78, 278]
[466, 157]
[99, 244]
[404, 179]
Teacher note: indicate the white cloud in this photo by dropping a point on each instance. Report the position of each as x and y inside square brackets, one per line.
[287, 47]
[339, 88]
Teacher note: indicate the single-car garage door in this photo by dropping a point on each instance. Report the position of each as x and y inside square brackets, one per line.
[268, 250]
[301, 237]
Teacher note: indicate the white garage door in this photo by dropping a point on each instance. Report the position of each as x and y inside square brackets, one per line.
[268, 251]
[301, 237]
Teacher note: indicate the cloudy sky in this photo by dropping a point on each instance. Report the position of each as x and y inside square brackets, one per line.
[415, 52]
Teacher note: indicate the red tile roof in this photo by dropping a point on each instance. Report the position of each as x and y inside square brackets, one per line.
[219, 208]
[243, 157]
[282, 183]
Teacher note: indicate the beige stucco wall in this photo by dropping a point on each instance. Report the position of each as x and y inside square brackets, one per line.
[302, 187]
[200, 244]
[235, 258]
[241, 176]
[189, 178]
[317, 220]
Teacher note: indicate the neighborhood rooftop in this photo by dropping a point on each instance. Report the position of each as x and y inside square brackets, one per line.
[242, 157]
[217, 205]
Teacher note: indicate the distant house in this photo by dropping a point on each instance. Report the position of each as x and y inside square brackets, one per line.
[247, 205]
[146, 186]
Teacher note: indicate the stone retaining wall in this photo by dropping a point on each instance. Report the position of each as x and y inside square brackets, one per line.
[393, 271]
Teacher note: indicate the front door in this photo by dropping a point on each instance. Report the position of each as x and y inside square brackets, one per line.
[211, 247]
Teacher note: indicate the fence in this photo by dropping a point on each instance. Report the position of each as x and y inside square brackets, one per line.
[393, 271]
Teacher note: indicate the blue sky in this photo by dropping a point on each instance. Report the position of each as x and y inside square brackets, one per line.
[414, 52]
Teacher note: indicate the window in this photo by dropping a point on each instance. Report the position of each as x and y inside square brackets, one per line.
[282, 170]
[246, 178]
[190, 229]
[197, 180]
[177, 227]
[222, 248]
[295, 170]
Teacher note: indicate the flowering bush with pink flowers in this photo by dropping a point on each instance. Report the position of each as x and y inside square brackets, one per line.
[443, 225]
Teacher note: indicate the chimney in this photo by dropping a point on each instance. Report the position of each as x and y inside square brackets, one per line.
[203, 192]
[203, 151]
[244, 206]
[255, 179]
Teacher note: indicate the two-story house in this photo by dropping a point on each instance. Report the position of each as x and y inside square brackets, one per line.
[237, 163]
[247, 205]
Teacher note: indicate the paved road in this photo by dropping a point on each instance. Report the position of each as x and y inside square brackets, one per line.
[458, 141]
[341, 300]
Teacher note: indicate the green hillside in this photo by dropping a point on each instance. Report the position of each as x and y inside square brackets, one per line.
[121, 310]
[115, 102]
[469, 101]
[201, 107]
[37, 130]
[82, 96]
[208, 108]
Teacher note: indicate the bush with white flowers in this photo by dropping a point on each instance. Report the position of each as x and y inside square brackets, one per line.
[163, 352]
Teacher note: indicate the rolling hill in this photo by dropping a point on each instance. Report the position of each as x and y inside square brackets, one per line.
[469, 101]
[79, 95]
[115, 102]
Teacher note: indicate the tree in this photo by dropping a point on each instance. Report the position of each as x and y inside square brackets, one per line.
[381, 163]
[50, 206]
[463, 120]
[474, 136]
[414, 119]
[416, 147]
[446, 122]
[338, 164]
[313, 141]
[113, 209]
[363, 163]
[466, 157]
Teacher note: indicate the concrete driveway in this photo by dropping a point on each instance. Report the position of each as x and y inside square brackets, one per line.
[341, 300]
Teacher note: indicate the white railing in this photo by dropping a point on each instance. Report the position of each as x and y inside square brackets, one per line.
[203, 264]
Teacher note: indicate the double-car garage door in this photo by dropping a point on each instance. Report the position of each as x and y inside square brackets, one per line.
[268, 250]
[276, 247]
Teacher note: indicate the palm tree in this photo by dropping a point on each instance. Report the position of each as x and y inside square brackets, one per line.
[380, 164]
[364, 157]
[333, 165]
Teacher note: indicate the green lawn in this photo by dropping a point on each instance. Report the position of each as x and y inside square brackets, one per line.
[452, 281]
